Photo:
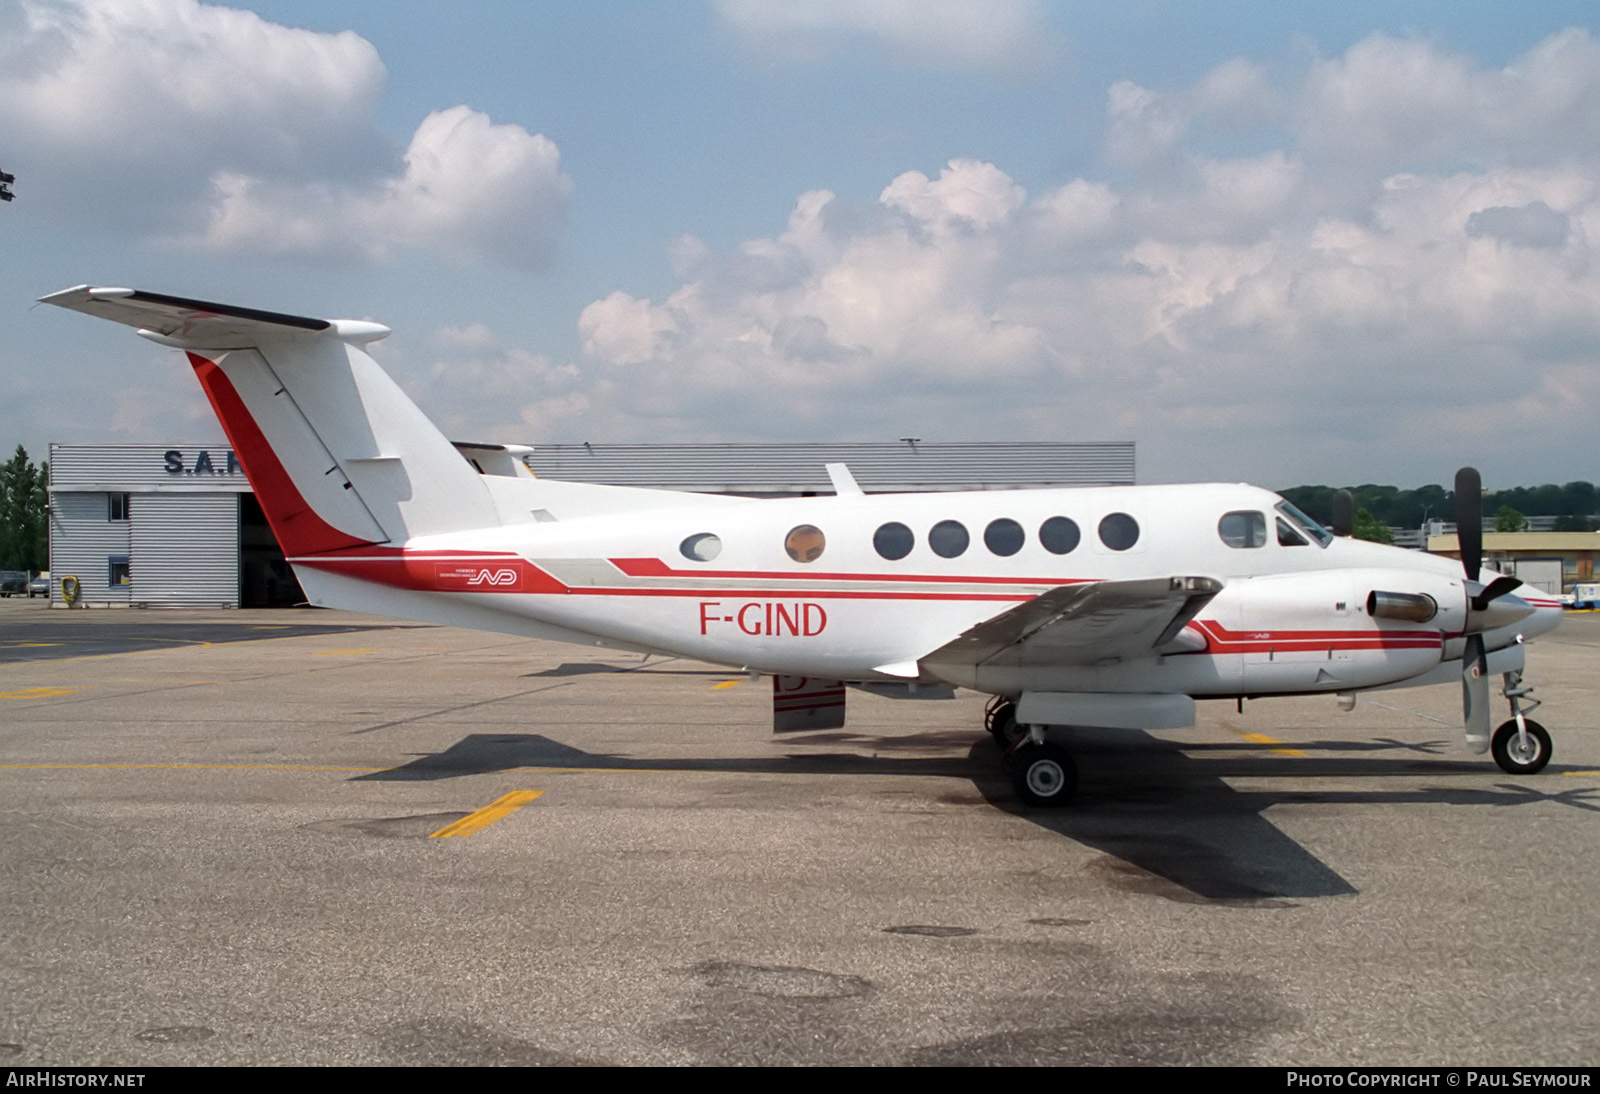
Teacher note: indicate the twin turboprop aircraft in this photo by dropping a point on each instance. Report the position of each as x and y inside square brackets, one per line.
[1112, 606]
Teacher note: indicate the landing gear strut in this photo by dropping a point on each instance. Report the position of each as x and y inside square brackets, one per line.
[1520, 746]
[1000, 719]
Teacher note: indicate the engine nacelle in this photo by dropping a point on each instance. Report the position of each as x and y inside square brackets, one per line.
[1330, 630]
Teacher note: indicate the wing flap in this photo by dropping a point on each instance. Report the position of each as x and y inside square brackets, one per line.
[1082, 624]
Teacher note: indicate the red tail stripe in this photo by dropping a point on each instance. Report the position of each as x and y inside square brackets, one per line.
[299, 529]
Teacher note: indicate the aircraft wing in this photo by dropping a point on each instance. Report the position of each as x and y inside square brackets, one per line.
[1082, 624]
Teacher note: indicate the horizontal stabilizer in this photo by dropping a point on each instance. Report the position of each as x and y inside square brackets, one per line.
[200, 324]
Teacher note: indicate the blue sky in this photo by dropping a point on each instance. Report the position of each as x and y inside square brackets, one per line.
[1278, 243]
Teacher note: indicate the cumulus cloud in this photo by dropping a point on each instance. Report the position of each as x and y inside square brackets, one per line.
[960, 34]
[214, 128]
[1264, 315]
[1532, 225]
[470, 189]
[475, 388]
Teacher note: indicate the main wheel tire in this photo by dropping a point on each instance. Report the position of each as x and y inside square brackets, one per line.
[1043, 775]
[1514, 759]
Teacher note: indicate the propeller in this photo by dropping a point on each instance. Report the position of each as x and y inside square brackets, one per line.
[1469, 520]
[1483, 613]
[1344, 513]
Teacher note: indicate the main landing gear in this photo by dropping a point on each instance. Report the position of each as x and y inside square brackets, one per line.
[1520, 746]
[1041, 772]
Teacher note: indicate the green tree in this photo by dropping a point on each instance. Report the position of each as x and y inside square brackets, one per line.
[24, 494]
[1369, 527]
[1509, 520]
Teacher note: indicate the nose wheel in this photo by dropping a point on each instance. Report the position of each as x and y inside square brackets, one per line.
[1520, 753]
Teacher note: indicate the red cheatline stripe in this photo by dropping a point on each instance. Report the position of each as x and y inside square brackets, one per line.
[410, 571]
[654, 567]
[1226, 641]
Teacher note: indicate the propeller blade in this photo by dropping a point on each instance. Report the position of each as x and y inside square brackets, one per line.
[1469, 520]
[1497, 588]
[1475, 694]
[1344, 513]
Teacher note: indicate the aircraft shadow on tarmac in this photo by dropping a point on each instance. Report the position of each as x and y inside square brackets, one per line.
[1171, 822]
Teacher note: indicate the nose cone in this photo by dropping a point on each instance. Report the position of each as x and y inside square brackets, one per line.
[1502, 611]
[1547, 615]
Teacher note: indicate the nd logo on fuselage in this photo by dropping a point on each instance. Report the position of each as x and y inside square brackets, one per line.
[766, 618]
[463, 577]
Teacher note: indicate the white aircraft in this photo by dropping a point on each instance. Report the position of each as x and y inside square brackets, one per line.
[1112, 606]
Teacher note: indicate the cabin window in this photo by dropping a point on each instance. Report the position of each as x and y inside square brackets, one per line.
[1004, 537]
[1059, 535]
[805, 543]
[1119, 531]
[893, 541]
[949, 538]
[1243, 529]
[701, 547]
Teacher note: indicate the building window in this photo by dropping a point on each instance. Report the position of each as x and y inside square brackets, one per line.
[117, 572]
[116, 506]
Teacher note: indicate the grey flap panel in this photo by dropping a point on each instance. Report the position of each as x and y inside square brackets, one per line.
[1083, 624]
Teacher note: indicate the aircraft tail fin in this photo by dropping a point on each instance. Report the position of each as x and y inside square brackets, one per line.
[338, 455]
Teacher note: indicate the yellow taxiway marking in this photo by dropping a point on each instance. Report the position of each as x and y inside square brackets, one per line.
[727, 684]
[28, 645]
[1263, 739]
[342, 653]
[36, 693]
[500, 807]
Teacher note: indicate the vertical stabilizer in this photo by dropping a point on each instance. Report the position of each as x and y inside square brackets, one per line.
[338, 455]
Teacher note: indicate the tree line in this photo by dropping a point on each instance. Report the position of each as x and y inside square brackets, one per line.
[1576, 506]
[24, 520]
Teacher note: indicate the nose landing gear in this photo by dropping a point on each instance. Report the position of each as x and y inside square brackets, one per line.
[1520, 746]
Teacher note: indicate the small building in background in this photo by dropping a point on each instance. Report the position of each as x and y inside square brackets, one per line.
[1551, 561]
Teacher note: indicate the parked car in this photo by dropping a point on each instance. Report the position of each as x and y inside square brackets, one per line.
[13, 581]
[39, 586]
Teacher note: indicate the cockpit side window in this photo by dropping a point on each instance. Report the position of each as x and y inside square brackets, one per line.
[1308, 527]
[1243, 528]
[1287, 536]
